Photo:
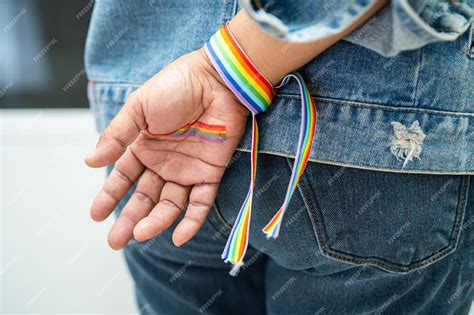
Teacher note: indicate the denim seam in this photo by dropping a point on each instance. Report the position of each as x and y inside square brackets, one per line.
[417, 76]
[342, 102]
[389, 108]
[318, 228]
[470, 43]
[364, 167]
[217, 216]
[310, 204]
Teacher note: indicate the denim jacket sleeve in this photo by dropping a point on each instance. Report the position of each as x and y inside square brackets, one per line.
[400, 25]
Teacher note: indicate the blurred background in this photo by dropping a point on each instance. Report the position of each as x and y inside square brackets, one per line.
[53, 258]
[42, 49]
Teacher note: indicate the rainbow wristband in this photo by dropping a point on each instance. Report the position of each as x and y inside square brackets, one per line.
[256, 93]
[240, 74]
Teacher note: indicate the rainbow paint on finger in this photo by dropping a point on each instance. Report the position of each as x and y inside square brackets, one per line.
[256, 93]
[197, 129]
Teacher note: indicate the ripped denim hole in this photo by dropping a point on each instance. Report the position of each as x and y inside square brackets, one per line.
[407, 141]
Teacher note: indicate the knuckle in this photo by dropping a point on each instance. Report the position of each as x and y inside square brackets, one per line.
[199, 204]
[123, 176]
[144, 197]
[171, 203]
[111, 192]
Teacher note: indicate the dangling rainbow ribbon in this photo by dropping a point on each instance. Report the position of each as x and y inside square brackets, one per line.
[257, 93]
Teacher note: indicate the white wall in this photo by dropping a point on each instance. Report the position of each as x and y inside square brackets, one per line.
[54, 258]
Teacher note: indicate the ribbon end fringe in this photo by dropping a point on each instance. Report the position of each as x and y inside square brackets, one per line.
[235, 269]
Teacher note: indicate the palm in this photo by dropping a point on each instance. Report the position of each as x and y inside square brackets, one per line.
[173, 173]
[190, 160]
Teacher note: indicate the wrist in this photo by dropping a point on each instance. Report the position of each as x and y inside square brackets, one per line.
[210, 72]
[209, 68]
[239, 73]
[273, 57]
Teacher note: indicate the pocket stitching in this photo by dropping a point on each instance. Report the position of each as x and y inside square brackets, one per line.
[309, 200]
[308, 204]
[470, 43]
[217, 221]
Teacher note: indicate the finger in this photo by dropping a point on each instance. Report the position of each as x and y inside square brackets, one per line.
[126, 171]
[121, 131]
[173, 200]
[200, 202]
[143, 199]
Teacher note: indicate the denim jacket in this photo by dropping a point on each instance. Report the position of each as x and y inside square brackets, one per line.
[395, 95]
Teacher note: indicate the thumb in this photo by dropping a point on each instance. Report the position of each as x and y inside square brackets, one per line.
[121, 131]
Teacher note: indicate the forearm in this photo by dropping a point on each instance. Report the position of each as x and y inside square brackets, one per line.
[274, 57]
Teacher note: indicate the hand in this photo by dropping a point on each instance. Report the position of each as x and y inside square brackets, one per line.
[174, 175]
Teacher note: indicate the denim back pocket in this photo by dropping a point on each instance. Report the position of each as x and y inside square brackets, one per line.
[398, 222]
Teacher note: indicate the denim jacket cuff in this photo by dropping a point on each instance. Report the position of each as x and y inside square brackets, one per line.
[407, 25]
[304, 21]
[401, 25]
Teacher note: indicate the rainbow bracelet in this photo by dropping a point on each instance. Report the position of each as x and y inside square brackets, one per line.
[256, 93]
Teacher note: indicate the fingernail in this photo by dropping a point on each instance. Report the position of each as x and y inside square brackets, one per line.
[177, 240]
[89, 155]
[144, 231]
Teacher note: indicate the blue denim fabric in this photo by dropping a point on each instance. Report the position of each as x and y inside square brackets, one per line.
[363, 99]
[343, 249]
[400, 25]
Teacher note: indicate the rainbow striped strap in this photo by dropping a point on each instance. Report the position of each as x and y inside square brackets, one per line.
[305, 141]
[239, 73]
[238, 240]
[256, 93]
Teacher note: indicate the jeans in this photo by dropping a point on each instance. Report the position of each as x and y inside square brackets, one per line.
[353, 241]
